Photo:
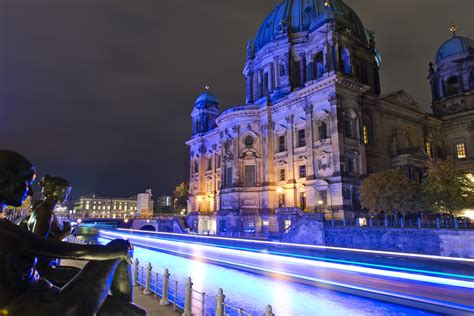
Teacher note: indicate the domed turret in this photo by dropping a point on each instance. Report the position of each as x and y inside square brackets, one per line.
[296, 16]
[452, 79]
[205, 112]
[303, 41]
[456, 45]
[206, 100]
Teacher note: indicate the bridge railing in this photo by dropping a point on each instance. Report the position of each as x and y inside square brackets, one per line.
[181, 294]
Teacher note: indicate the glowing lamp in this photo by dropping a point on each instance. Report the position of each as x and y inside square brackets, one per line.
[279, 190]
[320, 202]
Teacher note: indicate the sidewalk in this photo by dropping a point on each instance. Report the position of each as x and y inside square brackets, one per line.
[147, 302]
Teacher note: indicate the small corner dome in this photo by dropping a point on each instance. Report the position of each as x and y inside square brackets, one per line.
[206, 100]
[454, 46]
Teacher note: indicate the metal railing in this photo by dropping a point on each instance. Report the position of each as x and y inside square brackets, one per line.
[384, 221]
[181, 294]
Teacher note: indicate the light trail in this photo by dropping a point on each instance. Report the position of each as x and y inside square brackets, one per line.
[373, 265]
[298, 261]
[272, 243]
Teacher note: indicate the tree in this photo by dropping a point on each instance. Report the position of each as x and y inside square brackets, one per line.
[180, 196]
[391, 191]
[447, 188]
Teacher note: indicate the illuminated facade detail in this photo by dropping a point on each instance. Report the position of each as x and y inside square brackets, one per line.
[103, 207]
[314, 123]
[428, 149]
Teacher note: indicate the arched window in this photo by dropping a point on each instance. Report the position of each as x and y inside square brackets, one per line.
[452, 86]
[323, 130]
[319, 65]
[346, 61]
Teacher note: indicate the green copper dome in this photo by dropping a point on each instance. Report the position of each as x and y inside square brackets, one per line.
[455, 45]
[295, 16]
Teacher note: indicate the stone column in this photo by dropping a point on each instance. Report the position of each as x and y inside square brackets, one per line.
[310, 174]
[269, 150]
[236, 172]
[249, 88]
[290, 136]
[276, 64]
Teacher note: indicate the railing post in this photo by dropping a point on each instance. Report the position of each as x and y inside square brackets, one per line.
[175, 294]
[135, 272]
[146, 291]
[371, 221]
[385, 221]
[220, 309]
[419, 222]
[437, 222]
[188, 297]
[456, 223]
[402, 222]
[164, 298]
[269, 311]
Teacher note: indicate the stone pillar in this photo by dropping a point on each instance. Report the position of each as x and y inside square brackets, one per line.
[290, 136]
[269, 173]
[276, 65]
[235, 152]
[309, 133]
[249, 88]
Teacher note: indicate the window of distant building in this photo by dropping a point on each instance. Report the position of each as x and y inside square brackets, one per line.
[249, 178]
[460, 151]
[365, 130]
[209, 186]
[428, 149]
[218, 161]
[452, 86]
[281, 143]
[346, 61]
[196, 167]
[301, 138]
[323, 130]
[282, 70]
[348, 127]
[287, 223]
[302, 171]
[323, 197]
[281, 199]
[209, 164]
[351, 165]
[319, 65]
[282, 175]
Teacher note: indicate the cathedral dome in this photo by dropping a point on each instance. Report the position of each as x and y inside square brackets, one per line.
[454, 46]
[206, 100]
[295, 16]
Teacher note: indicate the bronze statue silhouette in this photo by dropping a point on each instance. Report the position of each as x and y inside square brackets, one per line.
[23, 291]
[44, 223]
[42, 220]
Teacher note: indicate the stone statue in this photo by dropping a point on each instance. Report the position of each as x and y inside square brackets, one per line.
[23, 291]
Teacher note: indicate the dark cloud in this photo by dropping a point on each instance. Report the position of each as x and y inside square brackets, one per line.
[100, 91]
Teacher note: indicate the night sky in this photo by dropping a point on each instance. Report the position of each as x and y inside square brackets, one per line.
[100, 91]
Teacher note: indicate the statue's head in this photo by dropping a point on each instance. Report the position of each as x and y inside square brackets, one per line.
[16, 177]
[55, 187]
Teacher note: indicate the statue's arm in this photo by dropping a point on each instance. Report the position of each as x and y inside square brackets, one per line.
[19, 241]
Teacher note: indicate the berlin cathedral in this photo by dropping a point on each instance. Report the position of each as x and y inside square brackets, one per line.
[315, 122]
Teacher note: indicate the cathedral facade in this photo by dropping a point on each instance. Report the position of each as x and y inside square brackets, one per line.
[315, 122]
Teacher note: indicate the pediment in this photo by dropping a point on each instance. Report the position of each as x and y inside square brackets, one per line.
[401, 98]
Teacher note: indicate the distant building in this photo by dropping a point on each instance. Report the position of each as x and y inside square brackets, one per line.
[145, 204]
[93, 206]
[165, 201]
